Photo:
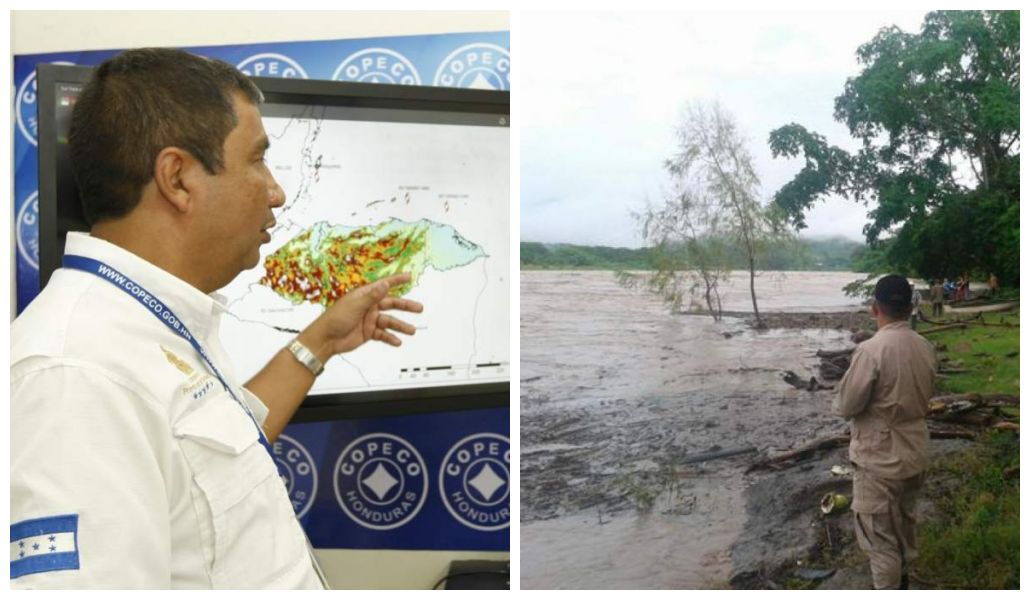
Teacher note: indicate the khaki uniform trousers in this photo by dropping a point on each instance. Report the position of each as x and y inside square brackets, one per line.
[885, 525]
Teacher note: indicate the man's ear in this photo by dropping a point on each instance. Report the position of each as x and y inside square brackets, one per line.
[174, 177]
[874, 309]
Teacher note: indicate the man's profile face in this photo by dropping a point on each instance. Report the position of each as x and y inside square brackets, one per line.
[240, 198]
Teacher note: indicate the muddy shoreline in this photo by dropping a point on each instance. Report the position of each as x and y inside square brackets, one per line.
[840, 320]
[787, 534]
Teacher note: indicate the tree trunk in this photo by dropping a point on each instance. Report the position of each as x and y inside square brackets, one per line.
[754, 299]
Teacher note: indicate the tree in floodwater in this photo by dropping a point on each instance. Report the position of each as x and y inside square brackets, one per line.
[687, 256]
[711, 151]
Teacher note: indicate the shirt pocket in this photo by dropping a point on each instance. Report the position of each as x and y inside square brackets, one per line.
[246, 521]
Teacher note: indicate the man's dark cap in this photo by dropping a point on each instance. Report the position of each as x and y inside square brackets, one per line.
[893, 290]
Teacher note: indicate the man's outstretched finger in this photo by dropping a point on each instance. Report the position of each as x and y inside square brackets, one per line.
[395, 280]
[391, 303]
[381, 335]
[388, 322]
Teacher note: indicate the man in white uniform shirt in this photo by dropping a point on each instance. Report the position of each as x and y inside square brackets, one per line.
[137, 459]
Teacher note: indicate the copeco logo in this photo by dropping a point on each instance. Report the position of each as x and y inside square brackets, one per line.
[479, 66]
[377, 65]
[474, 481]
[380, 481]
[25, 105]
[297, 470]
[28, 230]
[270, 64]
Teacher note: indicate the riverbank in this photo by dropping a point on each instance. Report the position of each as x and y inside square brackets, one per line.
[968, 513]
[851, 320]
[620, 398]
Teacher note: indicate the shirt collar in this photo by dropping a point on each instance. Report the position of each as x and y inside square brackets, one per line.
[901, 324]
[200, 312]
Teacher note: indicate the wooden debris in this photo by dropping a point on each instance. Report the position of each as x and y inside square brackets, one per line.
[942, 328]
[791, 458]
[811, 385]
[781, 461]
[862, 335]
[977, 316]
[716, 454]
[980, 399]
[834, 363]
[834, 353]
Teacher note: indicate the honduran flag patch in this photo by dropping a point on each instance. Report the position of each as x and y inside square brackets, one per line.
[46, 544]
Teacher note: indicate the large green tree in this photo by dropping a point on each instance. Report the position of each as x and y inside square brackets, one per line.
[937, 115]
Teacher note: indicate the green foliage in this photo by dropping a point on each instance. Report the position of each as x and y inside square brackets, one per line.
[985, 352]
[975, 542]
[924, 105]
[644, 489]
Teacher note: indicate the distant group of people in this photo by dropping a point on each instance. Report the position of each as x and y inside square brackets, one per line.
[943, 289]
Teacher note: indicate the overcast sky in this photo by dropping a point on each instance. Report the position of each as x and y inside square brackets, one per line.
[602, 92]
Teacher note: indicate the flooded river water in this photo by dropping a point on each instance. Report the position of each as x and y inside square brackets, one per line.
[617, 394]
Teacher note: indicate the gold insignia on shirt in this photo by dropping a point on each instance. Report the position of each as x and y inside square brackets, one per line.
[177, 362]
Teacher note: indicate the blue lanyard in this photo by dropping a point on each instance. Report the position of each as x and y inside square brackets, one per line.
[163, 314]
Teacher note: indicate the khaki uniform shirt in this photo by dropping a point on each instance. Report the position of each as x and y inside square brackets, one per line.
[886, 392]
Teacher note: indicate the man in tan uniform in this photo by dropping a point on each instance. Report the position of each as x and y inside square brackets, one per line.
[886, 393]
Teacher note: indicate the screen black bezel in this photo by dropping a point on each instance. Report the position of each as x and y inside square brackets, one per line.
[288, 91]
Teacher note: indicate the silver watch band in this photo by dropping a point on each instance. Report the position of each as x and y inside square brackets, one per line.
[306, 357]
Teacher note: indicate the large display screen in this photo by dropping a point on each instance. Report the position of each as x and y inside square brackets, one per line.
[378, 179]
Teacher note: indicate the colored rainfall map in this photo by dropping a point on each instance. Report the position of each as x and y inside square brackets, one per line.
[324, 262]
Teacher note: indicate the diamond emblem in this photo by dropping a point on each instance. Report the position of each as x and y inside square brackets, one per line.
[481, 83]
[380, 482]
[487, 482]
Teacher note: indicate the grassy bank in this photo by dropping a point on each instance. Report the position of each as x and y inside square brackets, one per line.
[972, 542]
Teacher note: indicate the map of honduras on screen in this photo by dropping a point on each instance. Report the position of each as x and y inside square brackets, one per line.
[369, 193]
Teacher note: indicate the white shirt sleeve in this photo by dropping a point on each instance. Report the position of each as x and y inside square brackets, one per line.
[86, 470]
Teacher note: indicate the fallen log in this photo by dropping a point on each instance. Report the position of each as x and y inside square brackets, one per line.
[716, 454]
[862, 335]
[1006, 426]
[943, 328]
[1007, 399]
[802, 452]
[951, 321]
[810, 386]
[831, 372]
[834, 353]
[974, 418]
[792, 457]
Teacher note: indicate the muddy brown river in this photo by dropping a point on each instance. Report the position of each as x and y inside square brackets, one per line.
[617, 395]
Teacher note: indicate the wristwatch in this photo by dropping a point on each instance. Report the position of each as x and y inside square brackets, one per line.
[306, 357]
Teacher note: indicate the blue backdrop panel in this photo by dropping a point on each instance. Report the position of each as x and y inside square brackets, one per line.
[479, 60]
[436, 481]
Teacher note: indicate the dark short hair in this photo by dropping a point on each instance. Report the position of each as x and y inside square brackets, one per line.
[893, 295]
[140, 102]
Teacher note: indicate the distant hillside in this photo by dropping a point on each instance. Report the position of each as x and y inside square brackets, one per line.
[534, 255]
[830, 254]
